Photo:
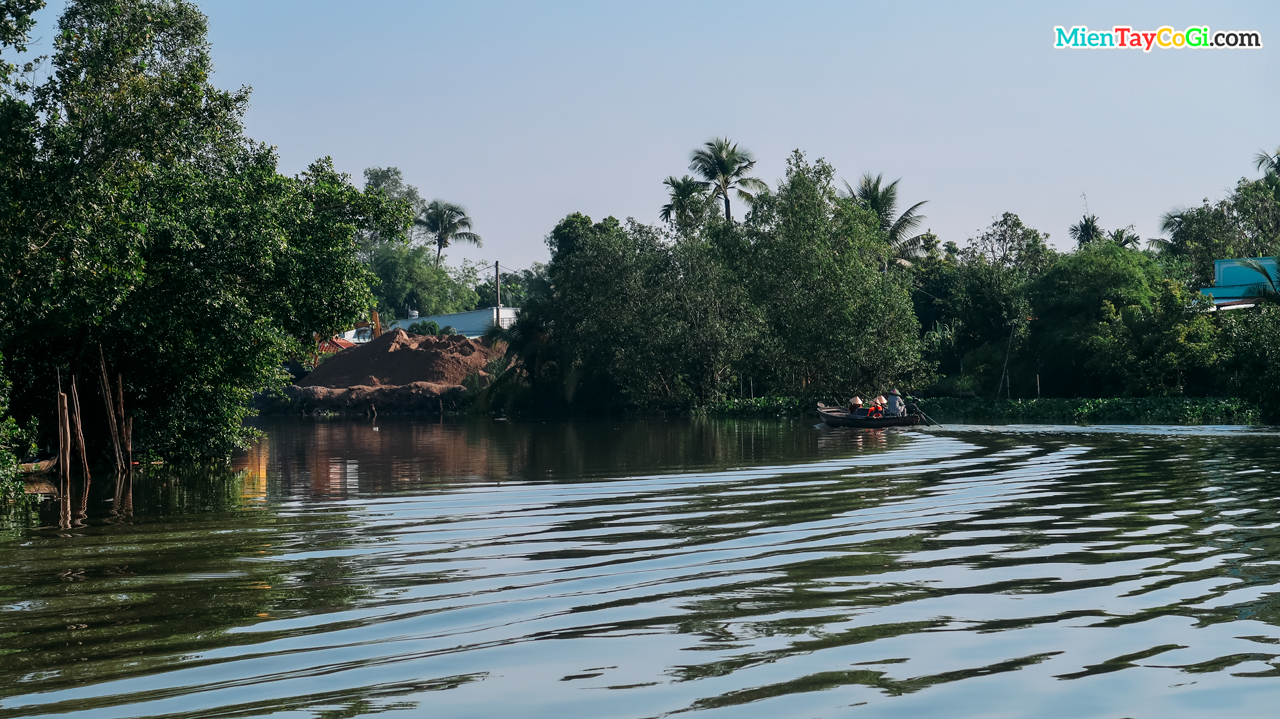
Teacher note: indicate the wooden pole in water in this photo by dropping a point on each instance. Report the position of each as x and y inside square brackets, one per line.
[64, 460]
[111, 411]
[126, 440]
[78, 427]
[64, 443]
[1004, 374]
[76, 433]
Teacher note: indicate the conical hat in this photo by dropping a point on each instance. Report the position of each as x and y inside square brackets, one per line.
[856, 400]
[894, 391]
[880, 399]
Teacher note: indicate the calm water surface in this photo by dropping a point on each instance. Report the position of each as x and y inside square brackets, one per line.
[651, 568]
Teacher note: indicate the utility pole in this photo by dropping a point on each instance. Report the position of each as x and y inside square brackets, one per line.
[497, 283]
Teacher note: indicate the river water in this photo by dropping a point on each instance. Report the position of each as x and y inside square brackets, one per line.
[648, 568]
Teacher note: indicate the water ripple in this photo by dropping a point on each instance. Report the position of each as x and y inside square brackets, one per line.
[790, 571]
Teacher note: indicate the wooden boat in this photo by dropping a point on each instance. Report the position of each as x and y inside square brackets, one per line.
[840, 417]
[34, 467]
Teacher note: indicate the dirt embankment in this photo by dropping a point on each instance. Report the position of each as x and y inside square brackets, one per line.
[395, 373]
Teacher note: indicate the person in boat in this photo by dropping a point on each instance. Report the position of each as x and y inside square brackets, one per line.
[893, 404]
[855, 407]
[876, 410]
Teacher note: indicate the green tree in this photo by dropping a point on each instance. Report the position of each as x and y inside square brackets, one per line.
[1267, 162]
[408, 280]
[390, 182]
[725, 168]
[518, 287]
[446, 223]
[1086, 231]
[1125, 237]
[15, 443]
[1167, 346]
[630, 317]
[980, 293]
[1075, 301]
[1246, 223]
[139, 218]
[882, 199]
[1251, 339]
[834, 321]
[686, 193]
[15, 29]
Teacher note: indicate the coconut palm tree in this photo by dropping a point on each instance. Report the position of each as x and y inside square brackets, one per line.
[1269, 164]
[724, 168]
[1268, 291]
[446, 223]
[1171, 221]
[1086, 231]
[684, 191]
[882, 199]
[1125, 237]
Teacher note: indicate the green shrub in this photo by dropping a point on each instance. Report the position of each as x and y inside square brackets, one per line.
[428, 327]
[1115, 410]
[758, 407]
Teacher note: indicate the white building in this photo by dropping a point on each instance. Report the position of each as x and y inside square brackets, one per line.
[469, 324]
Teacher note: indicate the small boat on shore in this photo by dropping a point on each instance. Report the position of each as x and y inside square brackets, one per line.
[840, 417]
[35, 467]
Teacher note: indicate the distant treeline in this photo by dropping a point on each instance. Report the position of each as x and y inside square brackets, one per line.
[822, 293]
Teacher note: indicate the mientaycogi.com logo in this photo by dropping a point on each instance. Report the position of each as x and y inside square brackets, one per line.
[1196, 36]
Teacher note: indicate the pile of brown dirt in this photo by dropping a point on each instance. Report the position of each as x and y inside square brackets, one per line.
[403, 399]
[395, 373]
[398, 358]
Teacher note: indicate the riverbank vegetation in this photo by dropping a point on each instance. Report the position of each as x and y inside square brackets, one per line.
[143, 233]
[823, 294]
[1058, 410]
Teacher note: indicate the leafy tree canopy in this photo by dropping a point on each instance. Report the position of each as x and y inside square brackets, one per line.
[142, 220]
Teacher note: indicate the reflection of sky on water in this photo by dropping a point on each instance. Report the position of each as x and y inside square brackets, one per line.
[636, 569]
[1224, 430]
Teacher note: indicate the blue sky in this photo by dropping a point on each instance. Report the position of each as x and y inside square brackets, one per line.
[525, 112]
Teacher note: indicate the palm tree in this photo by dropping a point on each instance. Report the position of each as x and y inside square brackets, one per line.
[1170, 224]
[684, 191]
[882, 199]
[1125, 237]
[1269, 164]
[1171, 221]
[446, 222]
[1268, 291]
[1086, 231]
[724, 167]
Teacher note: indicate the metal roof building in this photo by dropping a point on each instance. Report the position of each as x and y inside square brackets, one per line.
[1235, 283]
[468, 324]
